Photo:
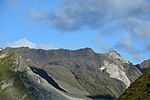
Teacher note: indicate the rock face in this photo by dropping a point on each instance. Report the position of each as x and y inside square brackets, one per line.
[82, 74]
[144, 66]
[115, 72]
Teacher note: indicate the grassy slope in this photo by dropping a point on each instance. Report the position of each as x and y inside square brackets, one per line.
[139, 90]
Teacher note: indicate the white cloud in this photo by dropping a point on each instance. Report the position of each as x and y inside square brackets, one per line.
[127, 46]
[26, 43]
[73, 15]
[108, 17]
[22, 43]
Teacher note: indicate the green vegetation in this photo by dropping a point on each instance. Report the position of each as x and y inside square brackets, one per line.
[139, 90]
[18, 89]
[5, 72]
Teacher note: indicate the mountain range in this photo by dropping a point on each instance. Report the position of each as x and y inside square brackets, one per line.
[37, 74]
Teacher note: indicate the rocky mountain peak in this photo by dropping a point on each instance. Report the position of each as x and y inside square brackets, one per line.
[87, 51]
[145, 65]
[114, 52]
[114, 55]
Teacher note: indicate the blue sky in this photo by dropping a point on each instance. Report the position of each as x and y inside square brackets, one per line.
[102, 25]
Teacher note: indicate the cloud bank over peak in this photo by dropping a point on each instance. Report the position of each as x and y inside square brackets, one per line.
[106, 16]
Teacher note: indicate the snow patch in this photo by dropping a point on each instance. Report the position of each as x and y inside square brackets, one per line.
[116, 71]
[101, 68]
[39, 80]
[28, 60]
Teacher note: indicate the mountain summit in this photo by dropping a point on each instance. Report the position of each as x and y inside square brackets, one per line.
[144, 65]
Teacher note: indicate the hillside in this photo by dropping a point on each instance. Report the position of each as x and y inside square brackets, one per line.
[139, 90]
[11, 85]
[64, 74]
[19, 82]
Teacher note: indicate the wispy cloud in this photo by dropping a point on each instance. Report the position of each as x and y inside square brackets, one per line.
[76, 14]
[127, 46]
[26, 43]
[106, 16]
[13, 4]
[22, 43]
[147, 48]
[130, 15]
